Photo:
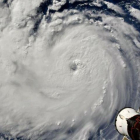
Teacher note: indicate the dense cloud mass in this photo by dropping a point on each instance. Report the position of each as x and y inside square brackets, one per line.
[66, 66]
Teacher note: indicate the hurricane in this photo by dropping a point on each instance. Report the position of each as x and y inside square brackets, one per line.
[67, 67]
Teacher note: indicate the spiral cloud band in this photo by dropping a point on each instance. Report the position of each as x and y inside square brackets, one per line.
[66, 67]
